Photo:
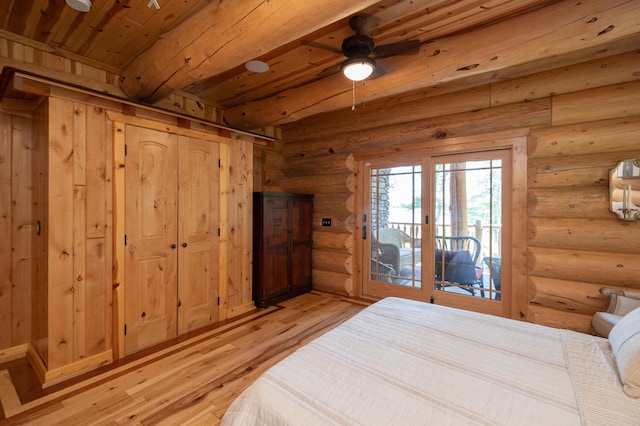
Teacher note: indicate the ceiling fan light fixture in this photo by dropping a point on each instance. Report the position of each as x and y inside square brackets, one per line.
[80, 5]
[358, 68]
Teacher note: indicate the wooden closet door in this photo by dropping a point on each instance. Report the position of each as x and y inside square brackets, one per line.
[198, 234]
[151, 237]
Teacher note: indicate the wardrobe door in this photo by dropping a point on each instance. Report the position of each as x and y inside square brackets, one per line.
[197, 234]
[151, 237]
[301, 227]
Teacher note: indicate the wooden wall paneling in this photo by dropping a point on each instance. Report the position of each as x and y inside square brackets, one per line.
[617, 135]
[80, 144]
[118, 248]
[409, 108]
[618, 269]
[534, 114]
[586, 234]
[6, 232]
[259, 172]
[223, 212]
[340, 242]
[557, 318]
[581, 202]
[334, 282]
[565, 295]
[97, 303]
[328, 184]
[573, 78]
[61, 235]
[240, 225]
[338, 206]
[332, 261]
[98, 172]
[620, 100]
[576, 170]
[80, 279]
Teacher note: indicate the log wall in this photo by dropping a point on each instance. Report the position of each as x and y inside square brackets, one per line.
[582, 120]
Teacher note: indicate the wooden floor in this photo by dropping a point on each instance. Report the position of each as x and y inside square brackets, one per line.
[193, 381]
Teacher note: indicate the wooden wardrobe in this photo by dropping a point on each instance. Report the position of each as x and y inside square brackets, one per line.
[282, 229]
[132, 225]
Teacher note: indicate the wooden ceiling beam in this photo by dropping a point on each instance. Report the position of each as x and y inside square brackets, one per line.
[223, 35]
[558, 35]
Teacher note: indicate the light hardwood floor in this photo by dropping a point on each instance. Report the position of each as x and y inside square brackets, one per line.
[192, 381]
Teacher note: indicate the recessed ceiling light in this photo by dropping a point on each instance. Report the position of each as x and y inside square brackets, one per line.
[80, 5]
[257, 66]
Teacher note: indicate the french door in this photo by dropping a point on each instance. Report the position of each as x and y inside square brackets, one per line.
[435, 228]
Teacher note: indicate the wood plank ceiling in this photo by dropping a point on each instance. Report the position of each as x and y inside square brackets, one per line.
[201, 46]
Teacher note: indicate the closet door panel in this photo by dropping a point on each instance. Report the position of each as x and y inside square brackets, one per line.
[301, 229]
[198, 234]
[151, 230]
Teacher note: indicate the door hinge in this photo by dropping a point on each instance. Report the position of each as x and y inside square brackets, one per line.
[219, 163]
[431, 300]
[179, 302]
[426, 220]
[125, 149]
[218, 232]
[125, 239]
[125, 329]
[218, 300]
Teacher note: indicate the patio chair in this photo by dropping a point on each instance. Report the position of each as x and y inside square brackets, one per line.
[494, 264]
[457, 258]
[408, 255]
[387, 253]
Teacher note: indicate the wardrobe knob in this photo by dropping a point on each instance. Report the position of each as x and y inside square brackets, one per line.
[184, 244]
[173, 246]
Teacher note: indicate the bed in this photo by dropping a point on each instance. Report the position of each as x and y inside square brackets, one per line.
[403, 362]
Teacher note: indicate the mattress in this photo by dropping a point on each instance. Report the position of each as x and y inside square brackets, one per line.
[403, 362]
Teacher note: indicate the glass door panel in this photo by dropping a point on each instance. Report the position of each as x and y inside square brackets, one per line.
[467, 225]
[393, 231]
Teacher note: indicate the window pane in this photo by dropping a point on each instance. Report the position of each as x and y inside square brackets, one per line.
[396, 197]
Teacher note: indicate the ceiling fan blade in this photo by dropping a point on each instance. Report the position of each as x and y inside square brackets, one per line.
[377, 72]
[320, 46]
[409, 47]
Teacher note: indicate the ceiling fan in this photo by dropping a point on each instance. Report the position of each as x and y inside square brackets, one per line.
[361, 52]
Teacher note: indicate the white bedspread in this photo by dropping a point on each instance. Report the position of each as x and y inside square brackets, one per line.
[401, 362]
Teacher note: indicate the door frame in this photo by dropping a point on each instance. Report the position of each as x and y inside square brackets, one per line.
[514, 140]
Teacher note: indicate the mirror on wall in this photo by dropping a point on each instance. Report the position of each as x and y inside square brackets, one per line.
[624, 189]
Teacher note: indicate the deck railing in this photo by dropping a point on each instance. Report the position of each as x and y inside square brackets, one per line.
[486, 234]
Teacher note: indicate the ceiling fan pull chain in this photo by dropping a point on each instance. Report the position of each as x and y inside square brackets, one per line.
[353, 95]
[363, 87]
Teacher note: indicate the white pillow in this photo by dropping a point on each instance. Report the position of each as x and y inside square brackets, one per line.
[625, 343]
